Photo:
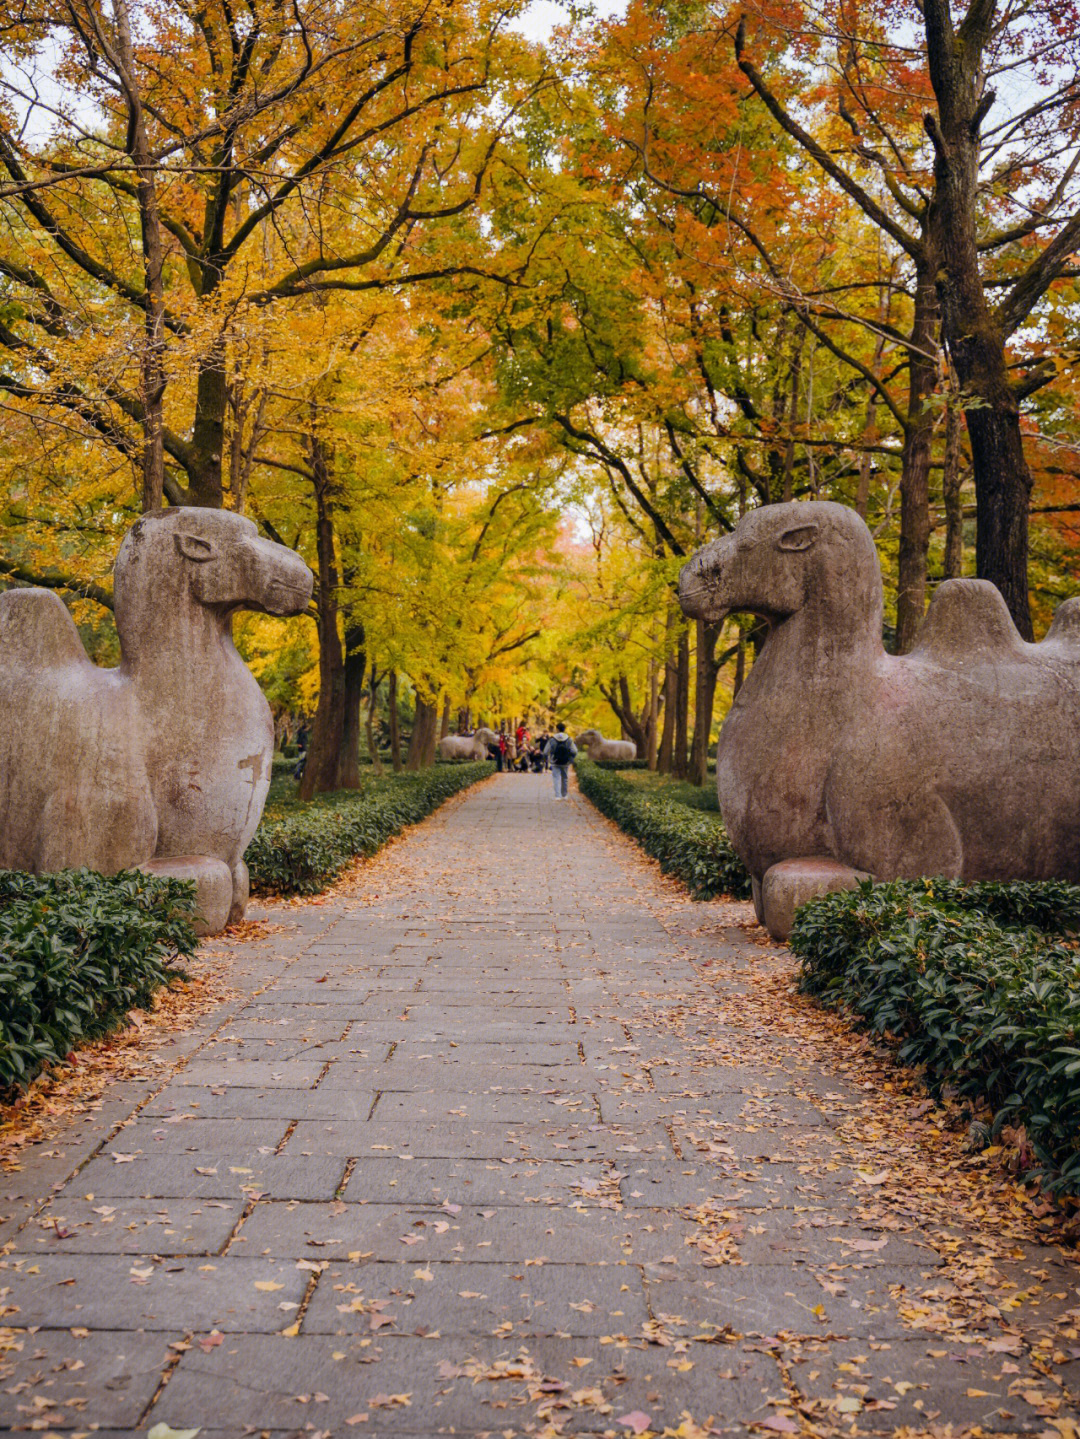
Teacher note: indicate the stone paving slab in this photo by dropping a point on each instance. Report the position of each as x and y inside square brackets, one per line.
[497, 1153]
[115, 1224]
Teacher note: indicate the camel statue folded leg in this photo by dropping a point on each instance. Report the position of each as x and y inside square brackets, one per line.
[838, 760]
[163, 763]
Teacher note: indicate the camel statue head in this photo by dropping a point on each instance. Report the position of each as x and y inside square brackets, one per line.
[780, 559]
[212, 557]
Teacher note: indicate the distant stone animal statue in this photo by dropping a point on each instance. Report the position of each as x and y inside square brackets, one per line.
[164, 763]
[961, 758]
[462, 746]
[597, 747]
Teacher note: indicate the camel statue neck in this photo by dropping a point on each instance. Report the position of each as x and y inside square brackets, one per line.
[165, 636]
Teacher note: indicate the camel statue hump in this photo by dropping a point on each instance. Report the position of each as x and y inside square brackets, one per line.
[1064, 633]
[968, 623]
[36, 630]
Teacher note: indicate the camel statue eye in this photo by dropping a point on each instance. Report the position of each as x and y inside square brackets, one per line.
[193, 547]
[800, 538]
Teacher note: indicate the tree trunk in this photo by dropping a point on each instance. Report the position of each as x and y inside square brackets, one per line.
[208, 429]
[654, 715]
[740, 665]
[973, 337]
[373, 699]
[394, 720]
[425, 721]
[951, 482]
[152, 358]
[915, 471]
[324, 750]
[680, 766]
[707, 670]
[444, 723]
[348, 775]
[667, 733]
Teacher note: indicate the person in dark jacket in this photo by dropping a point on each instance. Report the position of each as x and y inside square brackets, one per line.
[560, 750]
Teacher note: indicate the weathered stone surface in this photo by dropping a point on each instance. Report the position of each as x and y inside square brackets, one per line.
[793, 882]
[166, 759]
[958, 759]
[597, 747]
[213, 887]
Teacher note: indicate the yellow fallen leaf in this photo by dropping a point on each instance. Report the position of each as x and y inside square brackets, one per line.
[162, 1431]
[267, 1285]
[292, 1331]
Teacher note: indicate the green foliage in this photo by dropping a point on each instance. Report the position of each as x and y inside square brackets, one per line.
[301, 848]
[690, 844]
[972, 982]
[77, 951]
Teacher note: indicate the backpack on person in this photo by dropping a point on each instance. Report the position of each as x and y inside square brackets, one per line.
[562, 751]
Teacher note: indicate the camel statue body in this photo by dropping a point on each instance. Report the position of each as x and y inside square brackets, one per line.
[961, 758]
[465, 746]
[163, 763]
[597, 747]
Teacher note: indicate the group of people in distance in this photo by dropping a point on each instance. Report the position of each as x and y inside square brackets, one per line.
[526, 754]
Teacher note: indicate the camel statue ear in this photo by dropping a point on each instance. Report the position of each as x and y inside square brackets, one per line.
[192, 547]
[800, 538]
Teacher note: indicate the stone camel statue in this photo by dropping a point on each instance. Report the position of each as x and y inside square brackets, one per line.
[163, 763]
[839, 761]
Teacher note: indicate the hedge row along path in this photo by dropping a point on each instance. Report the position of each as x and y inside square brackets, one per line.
[510, 1137]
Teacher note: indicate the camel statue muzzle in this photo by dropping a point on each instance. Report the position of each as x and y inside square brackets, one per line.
[765, 566]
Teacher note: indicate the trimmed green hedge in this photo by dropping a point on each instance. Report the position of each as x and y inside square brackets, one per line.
[77, 951]
[973, 982]
[302, 851]
[689, 843]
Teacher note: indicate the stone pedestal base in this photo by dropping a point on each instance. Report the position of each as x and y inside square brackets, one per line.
[213, 887]
[796, 881]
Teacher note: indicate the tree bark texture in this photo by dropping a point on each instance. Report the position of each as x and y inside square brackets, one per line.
[972, 334]
[348, 775]
[324, 749]
[680, 760]
[915, 464]
[424, 734]
[706, 672]
[394, 720]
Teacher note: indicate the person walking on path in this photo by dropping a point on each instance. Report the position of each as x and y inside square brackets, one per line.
[560, 751]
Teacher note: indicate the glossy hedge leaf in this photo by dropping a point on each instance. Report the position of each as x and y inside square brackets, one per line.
[77, 951]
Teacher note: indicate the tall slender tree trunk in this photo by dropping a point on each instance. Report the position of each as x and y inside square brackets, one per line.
[348, 775]
[680, 766]
[706, 673]
[915, 471]
[973, 336]
[651, 735]
[324, 750]
[152, 358]
[373, 700]
[444, 723]
[394, 721]
[422, 739]
[952, 479]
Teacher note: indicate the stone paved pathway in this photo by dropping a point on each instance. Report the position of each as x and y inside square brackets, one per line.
[504, 1150]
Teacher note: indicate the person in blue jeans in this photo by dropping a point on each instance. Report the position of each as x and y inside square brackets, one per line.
[560, 751]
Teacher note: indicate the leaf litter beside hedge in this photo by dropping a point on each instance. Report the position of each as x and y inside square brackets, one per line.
[973, 983]
[690, 844]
